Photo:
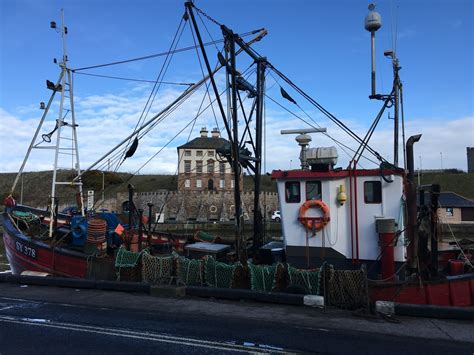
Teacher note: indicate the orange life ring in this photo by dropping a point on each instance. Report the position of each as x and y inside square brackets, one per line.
[314, 223]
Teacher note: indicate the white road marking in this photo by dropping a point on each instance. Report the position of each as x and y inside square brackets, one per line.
[139, 335]
[5, 308]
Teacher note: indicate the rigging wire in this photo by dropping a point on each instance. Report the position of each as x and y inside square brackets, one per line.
[135, 80]
[340, 144]
[179, 50]
[326, 112]
[156, 86]
[318, 126]
[203, 75]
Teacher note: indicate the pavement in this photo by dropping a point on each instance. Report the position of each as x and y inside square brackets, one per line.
[421, 329]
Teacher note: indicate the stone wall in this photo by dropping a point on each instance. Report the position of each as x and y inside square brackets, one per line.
[200, 206]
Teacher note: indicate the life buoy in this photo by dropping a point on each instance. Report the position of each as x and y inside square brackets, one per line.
[314, 223]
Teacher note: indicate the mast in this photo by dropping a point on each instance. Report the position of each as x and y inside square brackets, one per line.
[239, 157]
[373, 21]
[66, 86]
[63, 86]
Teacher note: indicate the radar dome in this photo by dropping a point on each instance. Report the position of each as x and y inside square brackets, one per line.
[373, 20]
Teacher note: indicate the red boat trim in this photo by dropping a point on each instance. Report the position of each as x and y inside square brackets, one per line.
[304, 174]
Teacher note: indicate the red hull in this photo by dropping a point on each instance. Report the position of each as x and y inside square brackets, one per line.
[28, 254]
[456, 291]
[43, 259]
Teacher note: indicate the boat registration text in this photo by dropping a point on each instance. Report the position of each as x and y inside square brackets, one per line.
[25, 250]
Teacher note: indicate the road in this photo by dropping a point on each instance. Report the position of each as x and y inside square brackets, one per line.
[215, 327]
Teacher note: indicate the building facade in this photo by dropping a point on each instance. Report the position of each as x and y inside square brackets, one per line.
[454, 208]
[199, 166]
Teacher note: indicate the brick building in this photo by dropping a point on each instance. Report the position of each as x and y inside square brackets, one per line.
[200, 168]
[454, 208]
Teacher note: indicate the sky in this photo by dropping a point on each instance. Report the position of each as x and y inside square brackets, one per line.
[321, 46]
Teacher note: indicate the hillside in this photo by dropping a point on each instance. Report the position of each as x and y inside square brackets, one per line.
[37, 185]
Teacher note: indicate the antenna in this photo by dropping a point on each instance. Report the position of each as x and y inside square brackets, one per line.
[373, 21]
[303, 139]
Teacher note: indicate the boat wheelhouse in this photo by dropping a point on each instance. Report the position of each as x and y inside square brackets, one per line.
[357, 202]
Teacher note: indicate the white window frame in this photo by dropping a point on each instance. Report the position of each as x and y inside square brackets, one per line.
[199, 183]
[187, 183]
[187, 153]
[186, 162]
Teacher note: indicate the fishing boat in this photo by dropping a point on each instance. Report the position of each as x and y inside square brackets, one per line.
[378, 218]
[346, 217]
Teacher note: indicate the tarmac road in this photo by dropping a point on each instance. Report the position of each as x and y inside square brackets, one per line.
[52, 320]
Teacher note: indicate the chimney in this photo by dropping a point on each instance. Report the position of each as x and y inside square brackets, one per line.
[203, 132]
[215, 133]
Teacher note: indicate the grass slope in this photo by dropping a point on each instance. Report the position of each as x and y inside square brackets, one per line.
[37, 185]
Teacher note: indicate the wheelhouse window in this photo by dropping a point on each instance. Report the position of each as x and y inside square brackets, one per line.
[313, 190]
[292, 191]
[372, 192]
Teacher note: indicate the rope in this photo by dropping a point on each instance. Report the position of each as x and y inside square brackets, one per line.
[207, 16]
[184, 49]
[136, 80]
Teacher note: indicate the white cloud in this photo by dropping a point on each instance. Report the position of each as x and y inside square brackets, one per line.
[104, 120]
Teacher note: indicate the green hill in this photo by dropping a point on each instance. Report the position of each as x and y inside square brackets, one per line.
[37, 185]
[460, 182]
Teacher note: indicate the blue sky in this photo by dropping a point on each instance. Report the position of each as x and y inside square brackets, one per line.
[321, 45]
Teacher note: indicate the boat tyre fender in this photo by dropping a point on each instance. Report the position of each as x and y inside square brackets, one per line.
[79, 230]
[314, 223]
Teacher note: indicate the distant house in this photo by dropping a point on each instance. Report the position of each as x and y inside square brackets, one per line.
[199, 166]
[454, 208]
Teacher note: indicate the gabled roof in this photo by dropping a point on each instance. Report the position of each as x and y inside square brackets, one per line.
[452, 199]
[205, 143]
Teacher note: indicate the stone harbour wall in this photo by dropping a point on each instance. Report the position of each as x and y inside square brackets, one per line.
[199, 206]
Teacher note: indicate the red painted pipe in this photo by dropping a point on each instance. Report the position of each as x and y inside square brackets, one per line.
[356, 214]
[350, 205]
[387, 261]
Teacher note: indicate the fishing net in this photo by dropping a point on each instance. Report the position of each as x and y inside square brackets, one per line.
[189, 271]
[219, 274]
[262, 278]
[310, 280]
[127, 265]
[25, 216]
[347, 288]
[156, 269]
[204, 237]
